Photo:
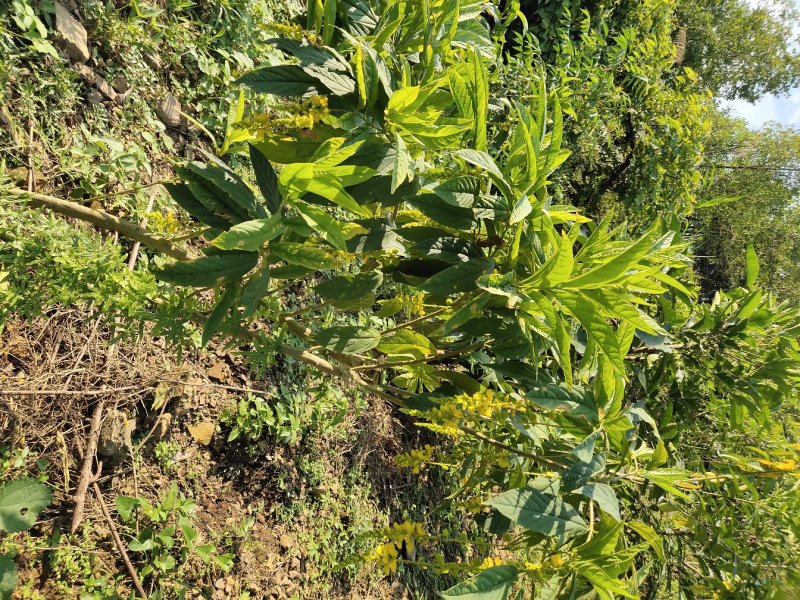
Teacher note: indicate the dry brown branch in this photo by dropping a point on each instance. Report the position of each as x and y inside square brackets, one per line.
[86, 469]
[105, 221]
[118, 541]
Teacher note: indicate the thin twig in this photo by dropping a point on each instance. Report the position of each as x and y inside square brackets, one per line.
[86, 470]
[118, 541]
[100, 392]
[143, 224]
[31, 176]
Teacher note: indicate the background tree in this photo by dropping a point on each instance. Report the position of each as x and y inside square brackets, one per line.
[741, 51]
[761, 169]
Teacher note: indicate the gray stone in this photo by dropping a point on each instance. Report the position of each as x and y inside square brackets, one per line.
[72, 34]
[169, 111]
[120, 83]
[95, 97]
[105, 88]
[115, 437]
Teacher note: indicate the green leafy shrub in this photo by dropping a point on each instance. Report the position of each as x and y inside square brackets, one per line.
[535, 328]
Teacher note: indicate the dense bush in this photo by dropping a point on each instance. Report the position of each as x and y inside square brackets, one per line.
[423, 186]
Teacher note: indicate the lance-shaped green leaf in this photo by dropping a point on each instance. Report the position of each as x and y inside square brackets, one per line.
[575, 402]
[486, 162]
[556, 269]
[433, 207]
[346, 288]
[21, 501]
[595, 324]
[405, 343]
[266, 178]
[209, 271]
[752, 266]
[227, 186]
[539, 512]
[615, 267]
[182, 195]
[253, 292]
[493, 583]
[348, 339]
[649, 535]
[218, 314]
[458, 278]
[281, 80]
[250, 236]
[401, 167]
[328, 228]
[302, 255]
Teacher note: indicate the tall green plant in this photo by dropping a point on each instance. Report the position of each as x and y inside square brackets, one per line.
[509, 323]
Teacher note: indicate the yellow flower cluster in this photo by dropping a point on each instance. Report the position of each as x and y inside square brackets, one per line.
[484, 404]
[415, 459]
[164, 223]
[473, 505]
[388, 554]
[288, 30]
[406, 532]
[297, 115]
[490, 561]
[386, 557]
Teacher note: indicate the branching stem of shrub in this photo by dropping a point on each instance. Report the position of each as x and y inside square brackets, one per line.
[105, 221]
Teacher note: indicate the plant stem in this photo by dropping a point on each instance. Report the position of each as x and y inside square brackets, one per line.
[105, 221]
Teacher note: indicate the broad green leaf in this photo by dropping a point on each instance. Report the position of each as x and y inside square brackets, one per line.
[604, 495]
[301, 255]
[250, 236]
[401, 169]
[521, 210]
[486, 162]
[615, 267]
[457, 278]
[460, 191]
[266, 178]
[230, 190]
[323, 224]
[556, 269]
[575, 402]
[218, 314]
[209, 271]
[125, 506]
[348, 339]
[493, 583]
[539, 512]
[253, 292]
[346, 288]
[8, 576]
[281, 80]
[441, 211]
[404, 343]
[752, 266]
[21, 501]
[649, 535]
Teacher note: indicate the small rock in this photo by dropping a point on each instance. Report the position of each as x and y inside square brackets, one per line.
[153, 61]
[86, 73]
[219, 371]
[202, 432]
[115, 437]
[121, 84]
[72, 34]
[169, 111]
[95, 97]
[286, 541]
[105, 88]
